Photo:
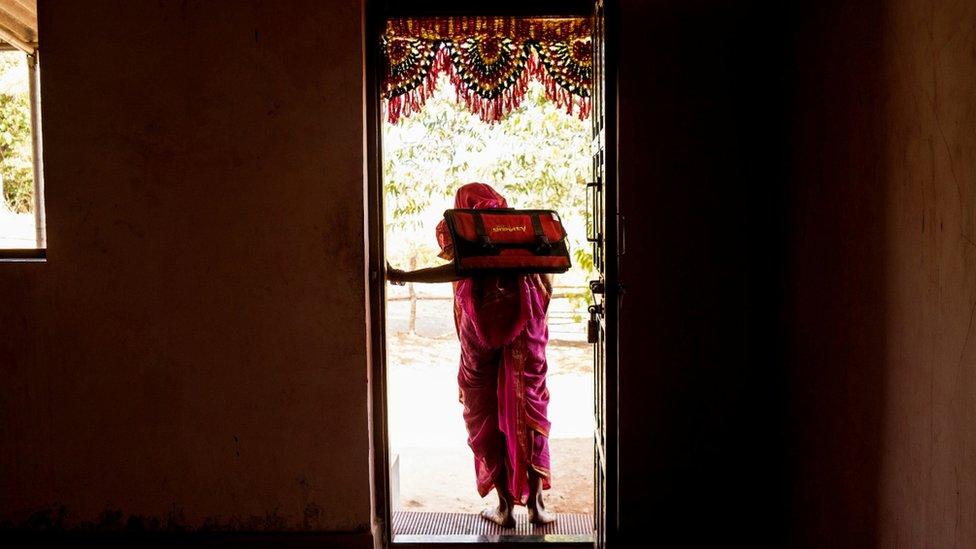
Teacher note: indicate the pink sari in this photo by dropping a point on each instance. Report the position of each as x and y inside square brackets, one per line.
[501, 324]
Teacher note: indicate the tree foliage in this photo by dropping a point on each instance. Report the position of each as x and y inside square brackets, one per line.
[16, 168]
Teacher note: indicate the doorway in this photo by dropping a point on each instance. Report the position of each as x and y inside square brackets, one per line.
[429, 134]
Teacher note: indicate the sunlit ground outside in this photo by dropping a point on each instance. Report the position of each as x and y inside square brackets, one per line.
[537, 157]
[17, 223]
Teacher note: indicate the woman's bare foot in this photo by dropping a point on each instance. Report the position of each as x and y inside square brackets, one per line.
[538, 514]
[536, 507]
[500, 515]
[503, 514]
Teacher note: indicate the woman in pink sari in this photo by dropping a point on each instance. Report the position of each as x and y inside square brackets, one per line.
[501, 324]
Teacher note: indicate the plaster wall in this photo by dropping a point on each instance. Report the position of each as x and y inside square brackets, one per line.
[193, 352]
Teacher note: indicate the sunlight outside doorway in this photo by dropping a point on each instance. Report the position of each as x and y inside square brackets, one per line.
[538, 157]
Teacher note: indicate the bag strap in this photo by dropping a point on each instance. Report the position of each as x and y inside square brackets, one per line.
[543, 246]
[479, 229]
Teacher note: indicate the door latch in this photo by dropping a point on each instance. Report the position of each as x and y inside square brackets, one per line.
[597, 287]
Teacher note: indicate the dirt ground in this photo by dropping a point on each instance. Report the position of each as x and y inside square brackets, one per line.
[442, 479]
[427, 435]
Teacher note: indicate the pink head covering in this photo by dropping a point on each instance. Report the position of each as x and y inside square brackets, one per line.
[478, 195]
[470, 195]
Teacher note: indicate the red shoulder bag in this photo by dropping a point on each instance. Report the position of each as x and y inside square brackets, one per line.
[508, 240]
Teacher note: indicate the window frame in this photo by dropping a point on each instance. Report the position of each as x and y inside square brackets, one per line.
[39, 251]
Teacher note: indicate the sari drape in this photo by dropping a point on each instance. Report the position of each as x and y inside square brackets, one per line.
[502, 328]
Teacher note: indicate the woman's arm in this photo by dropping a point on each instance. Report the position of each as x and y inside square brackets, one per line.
[441, 273]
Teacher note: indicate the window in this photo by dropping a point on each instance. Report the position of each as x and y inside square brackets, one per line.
[22, 225]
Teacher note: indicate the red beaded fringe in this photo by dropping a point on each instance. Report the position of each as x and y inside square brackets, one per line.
[559, 95]
[406, 104]
[489, 110]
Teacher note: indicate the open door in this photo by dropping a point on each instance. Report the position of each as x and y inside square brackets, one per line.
[605, 289]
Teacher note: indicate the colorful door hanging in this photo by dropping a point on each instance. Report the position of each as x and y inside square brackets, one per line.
[489, 61]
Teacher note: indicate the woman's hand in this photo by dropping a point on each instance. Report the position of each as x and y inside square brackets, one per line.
[395, 276]
[546, 280]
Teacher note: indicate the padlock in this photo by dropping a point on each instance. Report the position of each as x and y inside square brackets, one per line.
[593, 326]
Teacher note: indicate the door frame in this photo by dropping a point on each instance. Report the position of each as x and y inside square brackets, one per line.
[375, 14]
[613, 240]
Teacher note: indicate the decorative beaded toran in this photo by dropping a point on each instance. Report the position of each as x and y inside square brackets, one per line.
[489, 61]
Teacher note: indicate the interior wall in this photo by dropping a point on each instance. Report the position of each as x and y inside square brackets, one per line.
[928, 440]
[838, 297]
[796, 331]
[928, 469]
[884, 267]
[192, 355]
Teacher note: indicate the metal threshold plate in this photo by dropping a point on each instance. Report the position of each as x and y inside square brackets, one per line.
[466, 528]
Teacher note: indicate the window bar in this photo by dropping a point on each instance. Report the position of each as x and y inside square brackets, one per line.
[37, 153]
